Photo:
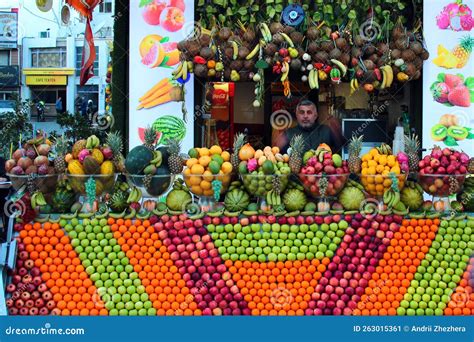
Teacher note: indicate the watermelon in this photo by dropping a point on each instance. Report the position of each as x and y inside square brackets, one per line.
[170, 127]
[137, 159]
[141, 135]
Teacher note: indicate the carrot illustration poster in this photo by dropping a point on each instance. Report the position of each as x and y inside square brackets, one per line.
[448, 77]
[156, 95]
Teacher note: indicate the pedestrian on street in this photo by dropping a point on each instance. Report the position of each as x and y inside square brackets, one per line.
[59, 105]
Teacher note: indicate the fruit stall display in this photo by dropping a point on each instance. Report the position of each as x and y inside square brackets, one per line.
[309, 237]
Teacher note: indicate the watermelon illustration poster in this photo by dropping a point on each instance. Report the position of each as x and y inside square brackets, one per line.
[448, 80]
[155, 98]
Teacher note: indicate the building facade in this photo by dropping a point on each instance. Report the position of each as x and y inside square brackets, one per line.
[9, 56]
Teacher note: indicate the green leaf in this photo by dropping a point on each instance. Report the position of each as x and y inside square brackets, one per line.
[401, 6]
[470, 136]
[144, 3]
[461, 76]
[450, 141]
[242, 11]
[317, 16]
[255, 8]
[469, 82]
[201, 3]
[471, 93]
[165, 40]
[222, 18]
[165, 60]
[271, 12]
[352, 14]
[378, 9]
[269, 1]
[279, 8]
[441, 76]
[219, 2]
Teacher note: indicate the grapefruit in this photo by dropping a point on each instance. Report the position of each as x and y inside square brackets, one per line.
[151, 51]
[141, 135]
[171, 50]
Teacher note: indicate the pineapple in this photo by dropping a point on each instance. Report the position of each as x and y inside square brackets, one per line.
[239, 141]
[463, 50]
[175, 161]
[453, 185]
[323, 186]
[355, 147]
[412, 147]
[31, 184]
[297, 146]
[150, 138]
[276, 184]
[114, 141]
[61, 150]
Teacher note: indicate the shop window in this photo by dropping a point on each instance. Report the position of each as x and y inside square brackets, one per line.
[49, 58]
[79, 60]
[5, 57]
[89, 92]
[105, 6]
[47, 96]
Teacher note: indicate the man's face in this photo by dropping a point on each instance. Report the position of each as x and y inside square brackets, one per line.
[306, 116]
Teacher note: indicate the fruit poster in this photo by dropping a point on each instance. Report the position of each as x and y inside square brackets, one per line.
[158, 95]
[448, 75]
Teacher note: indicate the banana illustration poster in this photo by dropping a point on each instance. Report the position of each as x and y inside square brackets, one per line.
[448, 75]
[160, 86]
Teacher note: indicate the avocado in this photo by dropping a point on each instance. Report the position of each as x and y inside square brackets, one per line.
[268, 167]
[439, 132]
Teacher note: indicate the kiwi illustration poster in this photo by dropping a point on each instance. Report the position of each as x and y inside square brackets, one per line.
[155, 94]
[448, 75]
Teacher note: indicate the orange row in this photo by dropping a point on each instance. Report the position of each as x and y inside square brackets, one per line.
[277, 288]
[150, 259]
[397, 268]
[61, 269]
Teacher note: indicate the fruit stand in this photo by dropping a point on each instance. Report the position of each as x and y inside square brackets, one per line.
[248, 229]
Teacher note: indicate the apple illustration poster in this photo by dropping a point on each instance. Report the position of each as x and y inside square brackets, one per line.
[155, 97]
[448, 75]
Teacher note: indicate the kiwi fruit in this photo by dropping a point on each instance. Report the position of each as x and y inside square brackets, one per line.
[200, 70]
[249, 65]
[341, 44]
[380, 62]
[327, 46]
[356, 52]
[205, 52]
[425, 54]
[408, 55]
[369, 50]
[369, 64]
[396, 54]
[312, 33]
[275, 27]
[249, 35]
[205, 39]
[382, 48]
[192, 48]
[270, 49]
[288, 29]
[401, 44]
[313, 47]
[229, 52]
[243, 52]
[359, 41]
[321, 57]
[236, 65]
[296, 37]
[295, 64]
[416, 47]
[224, 34]
[374, 58]
[278, 39]
[181, 46]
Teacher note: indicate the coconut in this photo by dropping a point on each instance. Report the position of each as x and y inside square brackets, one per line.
[295, 64]
[410, 69]
[275, 27]
[397, 32]
[288, 29]
[249, 35]
[243, 52]
[249, 65]
[205, 39]
[396, 54]
[236, 65]
[229, 52]
[369, 64]
[192, 47]
[313, 47]
[369, 50]
[359, 41]
[341, 44]
[401, 44]
[224, 33]
[425, 54]
[374, 58]
[321, 56]
[270, 49]
[205, 53]
[312, 33]
[200, 70]
[356, 52]
[382, 48]
[345, 58]
[416, 47]
[408, 55]
[296, 37]
[380, 62]
[327, 46]
[181, 46]
[278, 39]
[418, 62]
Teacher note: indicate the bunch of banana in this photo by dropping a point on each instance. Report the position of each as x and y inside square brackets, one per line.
[273, 199]
[235, 49]
[391, 198]
[354, 85]
[135, 195]
[255, 50]
[236, 185]
[92, 142]
[182, 71]
[387, 76]
[284, 75]
[313, 79]
[294, 185]
[157, 159]
[355, 184]
[287, 39]
[340, 65]
[266, 34]
[414, 185]
[37, 200]
[384, 149]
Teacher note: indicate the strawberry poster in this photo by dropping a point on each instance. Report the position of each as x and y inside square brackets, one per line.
[160, 86]
[448, 75]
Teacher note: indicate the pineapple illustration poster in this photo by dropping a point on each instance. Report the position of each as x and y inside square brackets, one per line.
[158, 95]
[448, 75]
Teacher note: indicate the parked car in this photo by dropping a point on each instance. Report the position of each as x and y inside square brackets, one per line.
[7, 106]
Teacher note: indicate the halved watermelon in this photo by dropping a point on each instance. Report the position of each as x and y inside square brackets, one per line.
[141, 135]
